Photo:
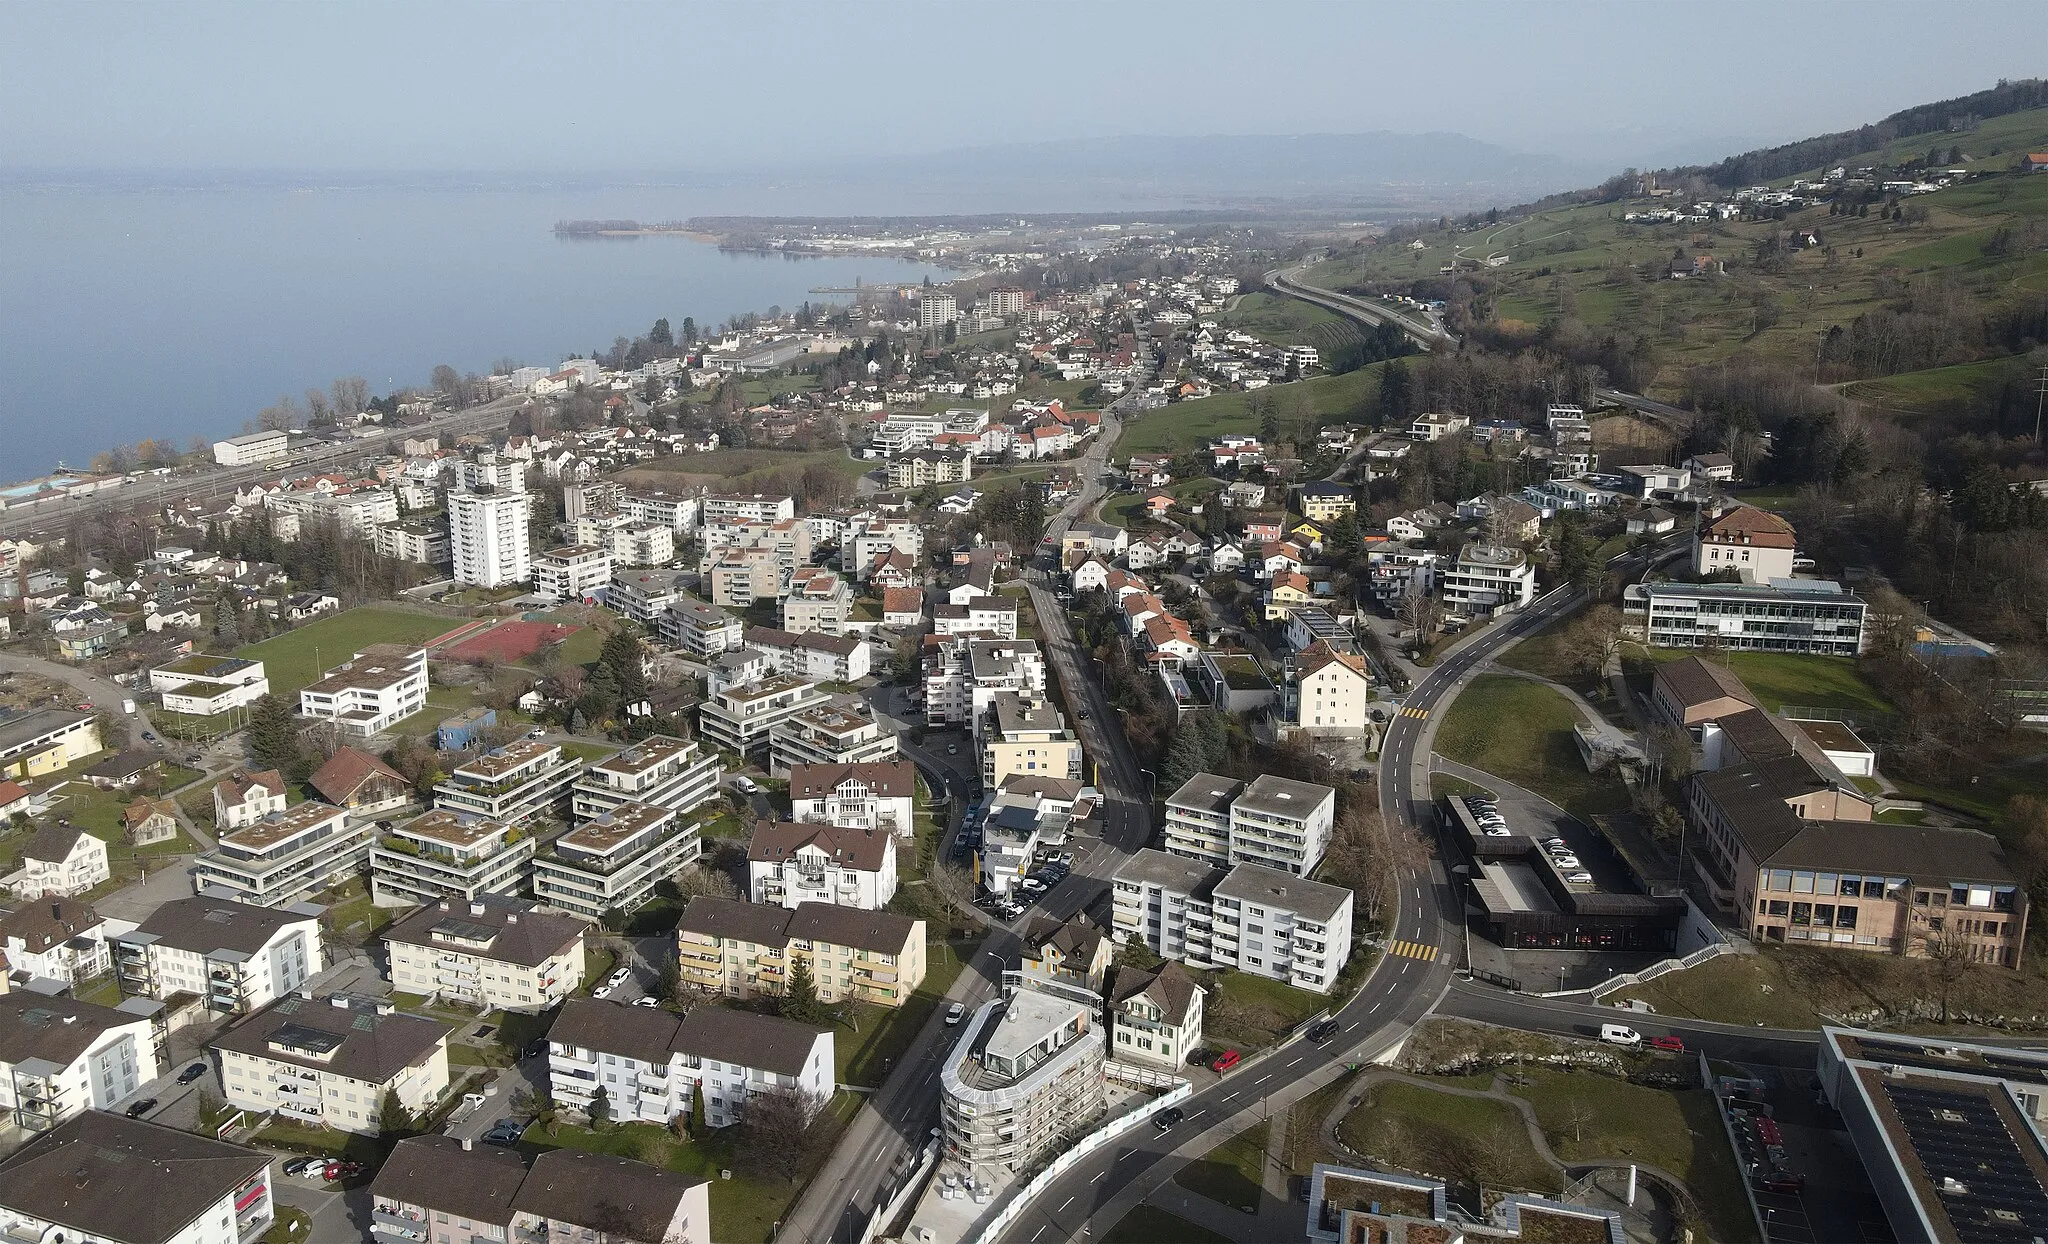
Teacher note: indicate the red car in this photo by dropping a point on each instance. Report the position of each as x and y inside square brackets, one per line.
[344, 1170]
[1226, 1060]
[1673, 1044]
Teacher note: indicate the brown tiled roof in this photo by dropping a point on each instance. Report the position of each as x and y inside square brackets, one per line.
[1171, 989]
[59, 1030]
[113, 1178]
[624, 1199]
[235, 787]
[1695, 680]
[860, 849]
[521, 933]
[1745, 524]
[342, 776]
[374, 1048]
[437, 1173]
[902, 600]
[204, 925]
[728, 918]
[52, 843]
[640, 1032]
[41, 923]
[880, 931]
[747, 1038]
[889, 779]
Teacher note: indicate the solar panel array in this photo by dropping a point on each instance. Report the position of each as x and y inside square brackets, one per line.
[1962, 1137]
[1917, 1054]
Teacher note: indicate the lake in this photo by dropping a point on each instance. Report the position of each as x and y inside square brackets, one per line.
[181, 313]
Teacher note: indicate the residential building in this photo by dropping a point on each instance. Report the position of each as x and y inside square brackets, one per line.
[1785, 615]
[237, 956]
[660, 770]
[988, 616]
[635, 543]
[818, 600]
[445, 854]
[514, 783]
[572, 572]
[60, 1056]
[330, 1062]
[488, 537]
[1024, 1081]
[1323, 502]
[814, 862]
[201, 686]
[1434, 426]
[379, 687]
[880, 795]
[645, 595]
[489, 1194]
[746, 950]
[1756, 544]
[45, 740]
[1346, 1204]
[244, 797]
[355, 512]
[812, 655]
[1155, 1017]
[1026, 735]
[1720, 468]
[1489, 579]
[59, 861]
[1282, 824]
[936, 308]
[737, 577]
[740, 718]
[491, 953]
[1332, 692]
[1198, 818]
[52, 940]
[650, 1064]
[1073, 952]
[675, 511]
[286, 856]
[929, 466]
[102, 1178]
[747, 508]
[830, 734]
[361, 783]
[421, 540]
[612, 863]
[253, 448]
[962, 675]
[699, 629]
[1246, 918]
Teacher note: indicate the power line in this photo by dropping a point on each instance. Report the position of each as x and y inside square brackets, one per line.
[2040, 395]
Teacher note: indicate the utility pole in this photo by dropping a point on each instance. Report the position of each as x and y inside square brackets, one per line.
[2040, 395]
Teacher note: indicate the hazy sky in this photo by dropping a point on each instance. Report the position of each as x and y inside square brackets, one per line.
[577, 88]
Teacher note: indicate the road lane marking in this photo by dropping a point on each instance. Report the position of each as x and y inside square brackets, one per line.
[1098, 1177]
[1294, 1060]
[1063, 1206]
[1262, 1079]
[1414, 950]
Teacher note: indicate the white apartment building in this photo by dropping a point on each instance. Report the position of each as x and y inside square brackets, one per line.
[676, 511]
[962, 676]
[1198, 818]
[513, 783]
[1155, 1017]
[643, 544]
[572, 572]
[103, 1178]
[493, 953]
[487, 535]
[790, 863]
[644, 595]
[381, 686]
[650, 1065]
[1026, 736]
[1245, 918]
[330, 1061]
[818, 600]
[237, 956]
[420, 539]
[1283, 824]
[200, 685]
[614, 861]
[1488, 579]
[880, 795]
[740, 718]
[244, 798]
[55, 941]
[357, 512]
[1024, 1081]
[660, 770]
[937, 308]
[488, 472]
[286, 856]
[700, 629]
[814, 655]
[1332, 692]
[988, 617]
[59, 861]
[731, 507]
[60, 1056]
[448, 854]
[254, 448]
[829, 734]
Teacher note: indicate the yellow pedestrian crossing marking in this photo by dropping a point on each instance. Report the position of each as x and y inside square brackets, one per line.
[1414, 950]
[1415, 712]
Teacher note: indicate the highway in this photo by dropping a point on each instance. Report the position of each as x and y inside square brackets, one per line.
[1424, 333]
[213, 483]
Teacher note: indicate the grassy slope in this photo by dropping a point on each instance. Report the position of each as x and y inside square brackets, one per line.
[1187, 425]
[298, 657]
[1522, 731]
[1779, 678]
[1449, 1136]
[1290, 322]
[1146, 1225]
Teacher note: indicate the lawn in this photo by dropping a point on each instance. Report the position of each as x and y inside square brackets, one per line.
[1938, 388]
[1232, 1172]
[1544, 654]
[1456, 1138]
[1781, 678]
[743, 1208]
[1182, 426]
[296, 658]
[1679, 1132]
[1147, 1225]
[1521, 731]
[1305, 1143]
[740, 469]
[1280, 320]
[1250, 1012]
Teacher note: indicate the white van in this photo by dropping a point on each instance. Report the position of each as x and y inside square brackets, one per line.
[1618, 1034]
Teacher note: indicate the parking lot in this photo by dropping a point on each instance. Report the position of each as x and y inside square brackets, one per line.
[1799, 1163]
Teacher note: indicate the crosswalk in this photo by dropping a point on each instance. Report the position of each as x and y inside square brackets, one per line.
[1414, 950]
[1415, 712]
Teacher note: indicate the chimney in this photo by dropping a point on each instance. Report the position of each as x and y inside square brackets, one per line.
[476, 909]
[467, 1144]
[444, 904]
[511, 917]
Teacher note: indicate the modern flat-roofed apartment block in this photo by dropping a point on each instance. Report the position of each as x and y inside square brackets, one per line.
[448, 854]
[1024, 1081]
[286, 856]
[660, 770]
[201, 686]
[1245, 918]
[614, 861]
[379, 687]
[512, 783]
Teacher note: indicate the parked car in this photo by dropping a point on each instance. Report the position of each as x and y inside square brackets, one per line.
[1570, 862]
[746, 785]
[504, 1132]
[1166, 1118]
[649, 1000]
[1226, 1060]
[1672, 1044]
[1784, 1181]
[602, 991]
[955, 1013]
[345, 1170]
[952, 749]
[305, 1166]
[142, 1107]
[1621, 1034]
[1553, 842]
[1579, 878]
[191, 1073]
[618, 975]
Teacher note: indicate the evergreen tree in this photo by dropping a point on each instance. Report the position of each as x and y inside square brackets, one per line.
[393, 1119]
[600, 1108]
[621, 655]
[800, 1000]
[698, 1125]
[272, 737]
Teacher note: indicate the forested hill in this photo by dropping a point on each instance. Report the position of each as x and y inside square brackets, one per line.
[1772, 163]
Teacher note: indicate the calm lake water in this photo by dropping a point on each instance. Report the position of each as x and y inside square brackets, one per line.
[181, 313]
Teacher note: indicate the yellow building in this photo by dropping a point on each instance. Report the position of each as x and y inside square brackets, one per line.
[1290, 592]
[745, 949]
[1326, 502]
[46, 740]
